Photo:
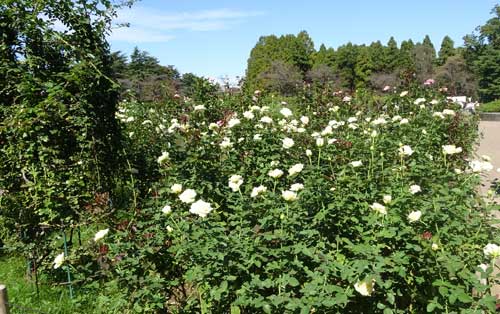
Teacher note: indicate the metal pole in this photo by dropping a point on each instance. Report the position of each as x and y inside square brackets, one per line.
[67, 267]
[4, 301]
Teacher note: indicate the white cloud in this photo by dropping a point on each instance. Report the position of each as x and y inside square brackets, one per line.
[137, 35]
[149, 25]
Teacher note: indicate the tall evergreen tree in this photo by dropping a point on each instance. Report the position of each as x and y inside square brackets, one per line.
[324, 56]
[406, 62]
[346, 58]
[377, 56]
[391, 54]
[363, 68]
[428, 43]
[447, 50]
[482, 53]
[296, 51]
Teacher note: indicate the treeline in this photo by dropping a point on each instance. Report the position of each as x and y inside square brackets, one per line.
[283, 64]
[144, 78]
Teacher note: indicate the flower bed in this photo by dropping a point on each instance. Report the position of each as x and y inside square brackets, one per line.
[343, 206]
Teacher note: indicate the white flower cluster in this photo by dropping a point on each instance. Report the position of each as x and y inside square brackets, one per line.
[288, 143]
[164, 156]
[295, 169]
[414, 216]
[235, 181]
[480, 166]
[491, 251]
[414, 189]
[365, 287]
[258, 190]
[405, 150]
[275, 173]
[289, 196]
[444, 113]
[451, 149]
[379, 208]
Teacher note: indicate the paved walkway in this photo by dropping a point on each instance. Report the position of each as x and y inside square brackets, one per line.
[490, 145]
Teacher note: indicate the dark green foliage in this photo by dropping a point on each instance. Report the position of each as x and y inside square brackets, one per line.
[447, 50]
[483, 56]
[345, 61]
[391, 55]
[59, 137]
[296, 51]
[455, 75]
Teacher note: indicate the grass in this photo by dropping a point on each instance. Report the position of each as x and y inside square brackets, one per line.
[493, 106]
[22, 291]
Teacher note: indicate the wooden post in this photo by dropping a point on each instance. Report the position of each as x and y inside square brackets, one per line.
[4, 301]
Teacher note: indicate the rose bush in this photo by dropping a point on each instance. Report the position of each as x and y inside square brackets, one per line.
[334, 206]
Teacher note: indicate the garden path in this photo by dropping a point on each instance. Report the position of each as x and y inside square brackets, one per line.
[490, 145]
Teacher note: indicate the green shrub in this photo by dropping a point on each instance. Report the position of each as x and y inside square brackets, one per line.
[493, 106]
[336, 245]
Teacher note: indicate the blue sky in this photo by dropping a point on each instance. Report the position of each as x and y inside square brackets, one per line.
[214, 38]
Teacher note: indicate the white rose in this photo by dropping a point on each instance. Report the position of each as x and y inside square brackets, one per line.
[226, 143]
[176, 188]
[166, 209]
[235, 181]
[100, 234]
[287, 142]
[289, 196]
[233, 122]
[414, 216]
[379, 121]
[266, 119]
[405, 150]
[365, 287]
[414, 189]
[286, 112]
[327, 130]
[164, 156]
[304, 120]
[58, 261]
[201, 208]
[387, 199]
[248, 115]
[357, 163]
[418, 101]
[296, 187]
[448, 112]
[320, 142]
[258, 190]
[451, 149]
[188, 196]
[379, 208]
[491, 250]
[309, 154]
[295, 169]
[275, 173]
